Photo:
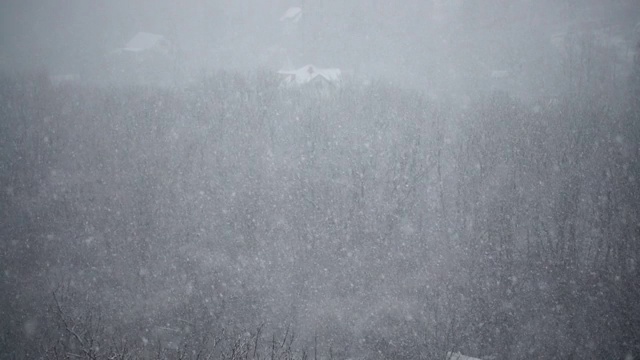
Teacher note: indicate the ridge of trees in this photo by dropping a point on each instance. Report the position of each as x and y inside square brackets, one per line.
[377, 222]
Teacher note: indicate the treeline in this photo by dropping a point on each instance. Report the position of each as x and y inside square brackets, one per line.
[234, 219]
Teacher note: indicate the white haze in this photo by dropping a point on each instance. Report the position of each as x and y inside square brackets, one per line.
[465, 180]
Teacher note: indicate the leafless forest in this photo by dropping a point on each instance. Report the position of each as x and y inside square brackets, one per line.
[233, 218]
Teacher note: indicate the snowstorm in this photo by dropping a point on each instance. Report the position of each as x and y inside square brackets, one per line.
[320, 179]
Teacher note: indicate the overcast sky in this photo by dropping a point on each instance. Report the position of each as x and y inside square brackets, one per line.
[432, 43]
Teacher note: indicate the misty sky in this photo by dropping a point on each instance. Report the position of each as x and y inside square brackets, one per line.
[440, 44]
[467, 180]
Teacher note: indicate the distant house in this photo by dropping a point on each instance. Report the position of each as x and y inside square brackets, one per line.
[146, 58]
[147, 42]
[293, 14]
[458, 356]
[290, 20]
[311, 75]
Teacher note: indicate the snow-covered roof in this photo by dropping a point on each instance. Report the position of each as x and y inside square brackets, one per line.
[292, 14]
[309, 73]
[143, 41]
[458, 356]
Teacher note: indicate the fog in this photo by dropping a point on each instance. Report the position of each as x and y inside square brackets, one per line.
[320, 179]
[442, 47]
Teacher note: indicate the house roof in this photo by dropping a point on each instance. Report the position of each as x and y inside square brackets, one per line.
[143, 41]
[292, 14]
[458, 356]
[309, 73]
